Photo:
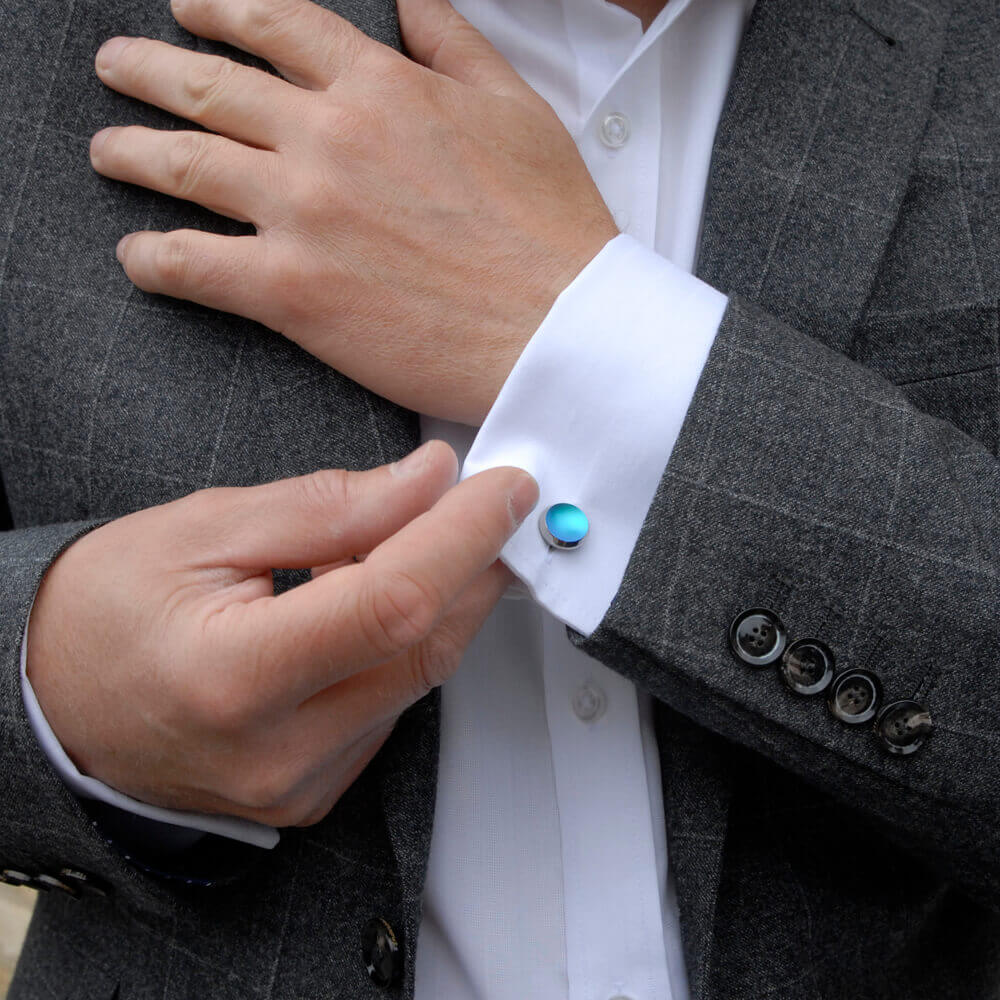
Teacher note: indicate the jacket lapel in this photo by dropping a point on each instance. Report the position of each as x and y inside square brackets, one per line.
[827, 105]
[815, 146]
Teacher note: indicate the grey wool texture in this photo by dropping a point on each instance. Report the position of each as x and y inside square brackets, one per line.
[838, 465]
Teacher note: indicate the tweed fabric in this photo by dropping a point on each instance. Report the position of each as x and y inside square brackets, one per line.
[838, 464]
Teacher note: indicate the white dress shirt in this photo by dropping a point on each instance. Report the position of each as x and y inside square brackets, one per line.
[548, 873]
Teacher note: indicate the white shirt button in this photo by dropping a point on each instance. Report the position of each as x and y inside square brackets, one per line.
[622, 220]
[589, 703]
[615, 130]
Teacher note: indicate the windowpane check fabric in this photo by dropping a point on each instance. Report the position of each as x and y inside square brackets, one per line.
[838, 465]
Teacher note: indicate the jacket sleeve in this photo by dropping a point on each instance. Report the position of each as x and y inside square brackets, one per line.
[49, 838]
[805, 485]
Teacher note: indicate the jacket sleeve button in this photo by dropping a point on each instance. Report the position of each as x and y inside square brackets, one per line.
[757, 637]
[84, 882]
[903, 727]
[807, 666]
[11, 876]
[47, 882]
[854, 697]
[381, 952]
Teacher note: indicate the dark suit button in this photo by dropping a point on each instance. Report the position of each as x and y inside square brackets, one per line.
[46, 882]
[854, 697]
[807, 666]
[85, 883]
[757, 637]
[381, 951]
[13, 877]
[903, 726]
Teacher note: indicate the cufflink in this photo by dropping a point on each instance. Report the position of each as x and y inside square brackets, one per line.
[563, 526]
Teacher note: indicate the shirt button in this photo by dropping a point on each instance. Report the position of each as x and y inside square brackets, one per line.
[615, 130]
[622, 220]
[589, 703]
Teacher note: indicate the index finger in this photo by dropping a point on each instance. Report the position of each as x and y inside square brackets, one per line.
[238, 101]
[366, 613]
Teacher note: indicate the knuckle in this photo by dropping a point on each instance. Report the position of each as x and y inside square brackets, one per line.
[326, 489]
[205, 80]
[344, 123]
[429, 667]
[184, 158]
[172, 259]
[292, 282]
[403, 610]
[264, 18]
[352, 45]
[134, 59]
[223, 705]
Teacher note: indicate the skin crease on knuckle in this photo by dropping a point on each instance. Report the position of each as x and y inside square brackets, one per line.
[262, 19]
[172, 260]
[352, 127]
[405, 608]
[183, 163]
[327, 492]
[430, 663]
[205, 81]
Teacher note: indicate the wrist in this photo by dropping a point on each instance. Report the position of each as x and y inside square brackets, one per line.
[533, 305]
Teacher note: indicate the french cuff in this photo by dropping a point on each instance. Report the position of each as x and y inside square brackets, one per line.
[592, 410]
[90, 788]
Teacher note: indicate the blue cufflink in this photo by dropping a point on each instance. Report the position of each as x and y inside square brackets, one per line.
[563, 526]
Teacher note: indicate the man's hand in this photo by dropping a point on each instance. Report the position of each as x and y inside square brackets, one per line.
[169, 670]
[415, 223]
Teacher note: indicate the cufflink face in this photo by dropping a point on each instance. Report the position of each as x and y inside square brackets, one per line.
[563, 526]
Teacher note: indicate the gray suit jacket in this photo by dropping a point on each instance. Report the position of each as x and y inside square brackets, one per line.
[838, 466]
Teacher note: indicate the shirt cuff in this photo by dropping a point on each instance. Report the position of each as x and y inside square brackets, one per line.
[592, 410]
[90, 788]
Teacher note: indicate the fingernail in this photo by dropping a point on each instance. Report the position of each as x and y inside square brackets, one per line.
[120, 249]
[522, 497]
[110, 51]
[97, 143]
[412, 465]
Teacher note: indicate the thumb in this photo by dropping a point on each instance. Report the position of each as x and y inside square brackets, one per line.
[438, 37]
